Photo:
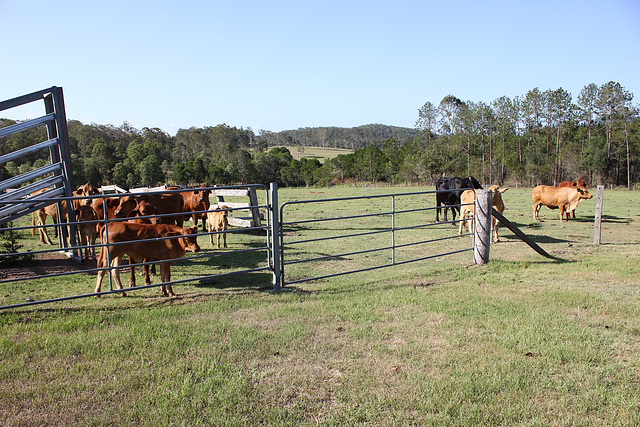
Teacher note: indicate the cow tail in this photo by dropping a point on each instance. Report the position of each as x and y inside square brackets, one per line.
[33, 224]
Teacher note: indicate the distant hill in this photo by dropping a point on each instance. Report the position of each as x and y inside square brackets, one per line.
[336, 137]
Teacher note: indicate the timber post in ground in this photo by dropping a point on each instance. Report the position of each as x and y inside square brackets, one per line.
[482, 227]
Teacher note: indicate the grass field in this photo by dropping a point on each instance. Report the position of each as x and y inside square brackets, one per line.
[522, 340]
[315, 152]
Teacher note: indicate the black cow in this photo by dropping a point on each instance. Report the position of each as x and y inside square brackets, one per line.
[448, 198]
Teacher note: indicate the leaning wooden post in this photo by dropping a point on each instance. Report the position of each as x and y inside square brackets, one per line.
[482, 227]
[597, 223]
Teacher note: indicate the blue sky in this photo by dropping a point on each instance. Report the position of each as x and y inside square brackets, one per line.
[279, 65]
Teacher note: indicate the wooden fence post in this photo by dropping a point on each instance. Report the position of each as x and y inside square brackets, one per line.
[482, 226]
[597, 223]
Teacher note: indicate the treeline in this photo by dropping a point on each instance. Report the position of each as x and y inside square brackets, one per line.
[541, 137]
[336, 137]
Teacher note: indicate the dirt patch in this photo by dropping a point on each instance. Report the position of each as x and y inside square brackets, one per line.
[48, 263]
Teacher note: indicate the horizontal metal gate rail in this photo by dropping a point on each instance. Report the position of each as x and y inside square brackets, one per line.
[263, 230]
[392, 230]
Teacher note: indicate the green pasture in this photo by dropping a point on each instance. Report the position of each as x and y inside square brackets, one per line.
[523, 340]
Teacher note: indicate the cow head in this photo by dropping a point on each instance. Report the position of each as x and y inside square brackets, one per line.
[202, 196]
[584, 194]
[224, 210]
[190, 242]
[126, 205]
[474, 182]
[86, 213]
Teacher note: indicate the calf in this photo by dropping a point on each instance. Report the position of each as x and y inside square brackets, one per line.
[217, 221]
[136, 216]
[566, 199]
[455, 187]
[127, 234]
[88, 230]
[467, 201]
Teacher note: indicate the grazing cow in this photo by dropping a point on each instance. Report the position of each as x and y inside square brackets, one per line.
[468, 199]
[197, 201]
[579, 183]
[217, 221]
[165, 203]
[127, 234]
[52, 211]
[452, 198]
[566, 199]
[88, 232]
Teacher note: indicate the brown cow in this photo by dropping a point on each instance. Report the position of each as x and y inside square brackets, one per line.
[127, 234]
[468, 199]
[88, 232]
[165, 203]
[566, 199]
[217, 221]
[111, 205]
[52, 211]
[142, 210]
[197, 201]
[579, 183]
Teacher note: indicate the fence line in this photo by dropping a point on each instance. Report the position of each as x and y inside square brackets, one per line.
[277, 246]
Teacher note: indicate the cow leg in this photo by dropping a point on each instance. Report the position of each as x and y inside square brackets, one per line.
[42, 232]
[219, 236]
[211, 235]
[145, 270]
[204, 223]
[116, 263]
[562, 213]
[224, 238]
[165, 274]
[132, 273]
[438, 212]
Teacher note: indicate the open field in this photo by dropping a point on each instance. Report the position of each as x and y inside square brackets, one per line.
[315, 152]
[523, 340]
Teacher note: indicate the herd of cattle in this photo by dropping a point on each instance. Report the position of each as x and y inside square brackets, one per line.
[458, 194]
[149, 227]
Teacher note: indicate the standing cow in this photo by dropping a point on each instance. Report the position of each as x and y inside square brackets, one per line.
[566, 199]
[449, 191]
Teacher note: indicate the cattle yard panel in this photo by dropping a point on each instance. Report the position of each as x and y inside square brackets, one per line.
[33, 276]
[18, 194]
[390, 232]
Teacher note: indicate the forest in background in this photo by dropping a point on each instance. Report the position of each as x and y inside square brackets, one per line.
[541, 137]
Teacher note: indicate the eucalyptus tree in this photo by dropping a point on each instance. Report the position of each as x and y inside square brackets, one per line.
[448, 110]
[613, 105]
[427, 120]
[588, 105]
[560, 112]
[506, 121]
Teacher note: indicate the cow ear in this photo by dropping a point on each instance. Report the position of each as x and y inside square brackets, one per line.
[502, 190]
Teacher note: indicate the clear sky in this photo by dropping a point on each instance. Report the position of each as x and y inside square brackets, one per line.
[279, 65]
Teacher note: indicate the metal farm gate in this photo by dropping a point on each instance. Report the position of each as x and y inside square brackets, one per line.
[392, 230]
